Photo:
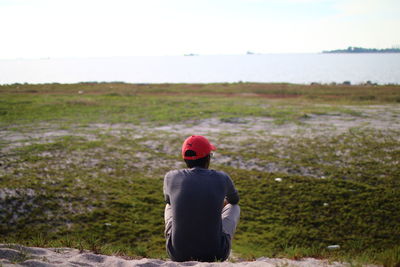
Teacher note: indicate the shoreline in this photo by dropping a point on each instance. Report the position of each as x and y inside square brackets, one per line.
[239, 82]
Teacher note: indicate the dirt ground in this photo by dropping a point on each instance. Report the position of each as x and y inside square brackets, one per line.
[46, 257]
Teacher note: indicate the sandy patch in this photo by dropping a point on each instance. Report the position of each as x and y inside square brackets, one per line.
[15, 255]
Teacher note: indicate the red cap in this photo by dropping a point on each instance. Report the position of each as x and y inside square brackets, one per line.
[199, 144]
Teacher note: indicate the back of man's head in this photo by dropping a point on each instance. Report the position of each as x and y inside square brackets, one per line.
[201, 162]
[196, 151]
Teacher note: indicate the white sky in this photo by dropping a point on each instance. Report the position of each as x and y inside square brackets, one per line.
[91, 28]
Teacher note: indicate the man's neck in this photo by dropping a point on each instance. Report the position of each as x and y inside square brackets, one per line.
[198, 167]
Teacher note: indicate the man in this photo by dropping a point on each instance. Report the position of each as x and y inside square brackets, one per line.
[201, 214]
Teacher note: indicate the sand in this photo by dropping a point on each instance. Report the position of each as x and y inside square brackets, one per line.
[16, 255]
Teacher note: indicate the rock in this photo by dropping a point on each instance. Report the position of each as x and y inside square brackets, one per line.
[10, 254]
[333, 247]
[36, 263]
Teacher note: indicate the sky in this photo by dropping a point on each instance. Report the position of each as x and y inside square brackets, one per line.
[107, 28]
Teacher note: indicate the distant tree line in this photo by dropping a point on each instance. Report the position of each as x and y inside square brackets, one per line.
[353, 49]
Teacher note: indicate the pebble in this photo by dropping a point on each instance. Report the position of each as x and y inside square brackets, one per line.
[333, 247]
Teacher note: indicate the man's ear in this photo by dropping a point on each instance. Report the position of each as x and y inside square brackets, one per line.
[208, 161]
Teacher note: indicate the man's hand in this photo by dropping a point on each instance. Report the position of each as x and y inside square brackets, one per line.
[225, 203]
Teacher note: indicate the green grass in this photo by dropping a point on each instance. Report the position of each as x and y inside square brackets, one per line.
[345, 93]
[67, 109]
[100, 187]
[292, 213]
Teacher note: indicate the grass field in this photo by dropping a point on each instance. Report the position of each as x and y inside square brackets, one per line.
[82, 165]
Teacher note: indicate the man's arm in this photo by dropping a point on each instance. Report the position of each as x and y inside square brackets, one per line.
[166, 199]
[232, 195]
[165, 190]
[233, 198]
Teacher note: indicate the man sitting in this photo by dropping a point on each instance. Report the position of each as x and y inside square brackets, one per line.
[201, 214]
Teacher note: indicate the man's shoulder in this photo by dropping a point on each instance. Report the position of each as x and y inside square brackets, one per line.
[220, 173]
[176, 172]
[172, 173]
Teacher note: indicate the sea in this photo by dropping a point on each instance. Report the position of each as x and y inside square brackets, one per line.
[380, 68]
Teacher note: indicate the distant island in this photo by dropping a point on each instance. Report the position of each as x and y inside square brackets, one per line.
[353, 49]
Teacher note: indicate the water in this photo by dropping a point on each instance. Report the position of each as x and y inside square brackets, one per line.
[291, 68]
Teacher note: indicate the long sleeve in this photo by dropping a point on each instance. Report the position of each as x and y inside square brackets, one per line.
[232, 195]
[165, 190]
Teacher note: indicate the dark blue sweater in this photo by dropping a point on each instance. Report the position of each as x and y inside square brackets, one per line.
[196, 197]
